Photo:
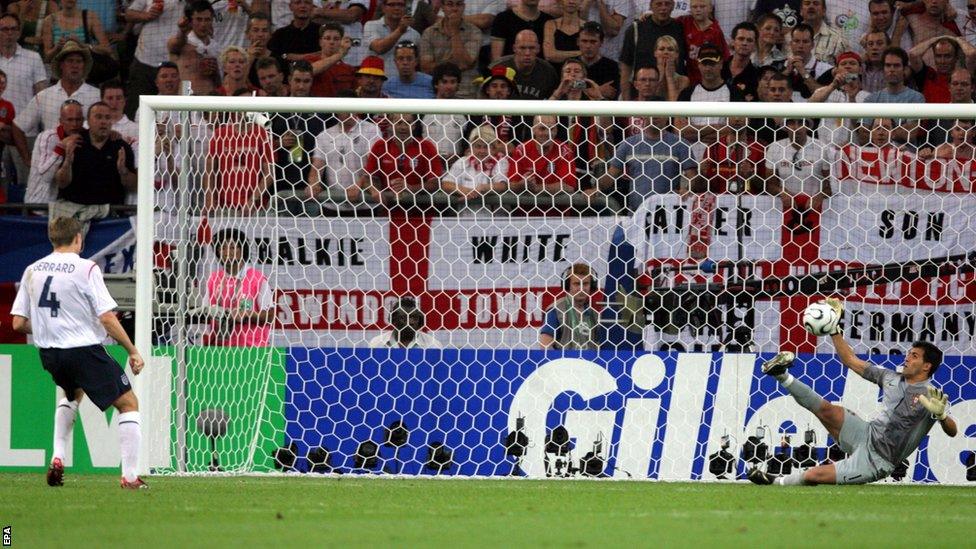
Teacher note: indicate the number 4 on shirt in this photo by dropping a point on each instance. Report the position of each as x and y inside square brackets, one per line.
[48, 299]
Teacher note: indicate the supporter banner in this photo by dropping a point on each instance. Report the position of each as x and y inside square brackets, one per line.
[878, 328]
[109, 242]
[469, 254]
[865, 170]
[658, 416]
[327, 252]
[729, 227]
[872, 228]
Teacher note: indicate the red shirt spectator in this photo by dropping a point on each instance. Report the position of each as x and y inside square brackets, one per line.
[730, 159]
[416, 163]
[242, 154]
[550, 164]
[340, 76]
[697, 37]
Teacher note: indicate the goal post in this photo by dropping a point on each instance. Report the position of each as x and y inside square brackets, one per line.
[266, 364]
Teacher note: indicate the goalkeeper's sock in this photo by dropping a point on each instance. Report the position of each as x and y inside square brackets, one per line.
[130, 435]
[793, 479]
[807, 397]
[64, 421]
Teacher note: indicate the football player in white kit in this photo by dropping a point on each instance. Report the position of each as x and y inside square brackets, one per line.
[63, 302]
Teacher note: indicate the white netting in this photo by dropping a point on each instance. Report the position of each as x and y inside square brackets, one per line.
[347, 237]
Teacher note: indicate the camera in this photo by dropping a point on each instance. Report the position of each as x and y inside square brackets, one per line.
[850, 77]
[578, 85]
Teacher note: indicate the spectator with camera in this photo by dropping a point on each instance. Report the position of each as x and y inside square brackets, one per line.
[408, 323]
[383, 35]
[572, 323]
[844, 87]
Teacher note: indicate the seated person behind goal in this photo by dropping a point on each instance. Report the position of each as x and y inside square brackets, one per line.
[571, 322]
[408, 323]
[239, 296]
[479, 171]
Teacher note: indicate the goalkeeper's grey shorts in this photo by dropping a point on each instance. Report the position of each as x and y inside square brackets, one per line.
[862, 464]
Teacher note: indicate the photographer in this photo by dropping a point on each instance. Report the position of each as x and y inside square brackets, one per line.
[408, 323]
[571, 322]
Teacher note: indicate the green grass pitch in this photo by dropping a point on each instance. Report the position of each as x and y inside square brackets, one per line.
[91, 511]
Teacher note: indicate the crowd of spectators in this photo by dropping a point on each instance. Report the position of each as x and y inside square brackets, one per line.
[71, 73]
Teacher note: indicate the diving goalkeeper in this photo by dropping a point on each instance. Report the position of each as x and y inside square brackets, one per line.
[910, 407]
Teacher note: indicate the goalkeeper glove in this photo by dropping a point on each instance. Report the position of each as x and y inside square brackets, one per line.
[838, 307]
[936, 402]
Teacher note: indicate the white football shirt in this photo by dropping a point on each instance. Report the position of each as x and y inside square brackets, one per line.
[63, 296]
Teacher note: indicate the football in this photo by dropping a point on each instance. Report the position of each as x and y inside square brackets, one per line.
[820, 319]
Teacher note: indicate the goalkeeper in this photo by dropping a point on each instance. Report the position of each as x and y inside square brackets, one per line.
[910, 407]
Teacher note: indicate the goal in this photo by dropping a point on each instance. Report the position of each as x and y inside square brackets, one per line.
[367, 286]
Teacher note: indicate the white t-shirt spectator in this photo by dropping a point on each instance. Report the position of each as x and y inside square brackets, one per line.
[151, 48]
[43, 112]
[838, 131]
[494, 7]
[445, 131]
[63, 295]
[802, 170]
[471, 172]
[343, 152]
[24, 69]
[41, 188]
[229, 28]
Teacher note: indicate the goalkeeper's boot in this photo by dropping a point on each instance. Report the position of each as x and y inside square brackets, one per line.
[136, 484]
[778, 364]
[55, 473]
[758, 476]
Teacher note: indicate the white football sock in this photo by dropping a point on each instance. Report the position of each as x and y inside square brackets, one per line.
[793, 479]
[130, 436]
[64, 421]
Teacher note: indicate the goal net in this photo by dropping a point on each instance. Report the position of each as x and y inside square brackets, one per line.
[543, 289]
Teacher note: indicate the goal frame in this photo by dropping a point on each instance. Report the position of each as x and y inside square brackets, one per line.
[156, 407]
